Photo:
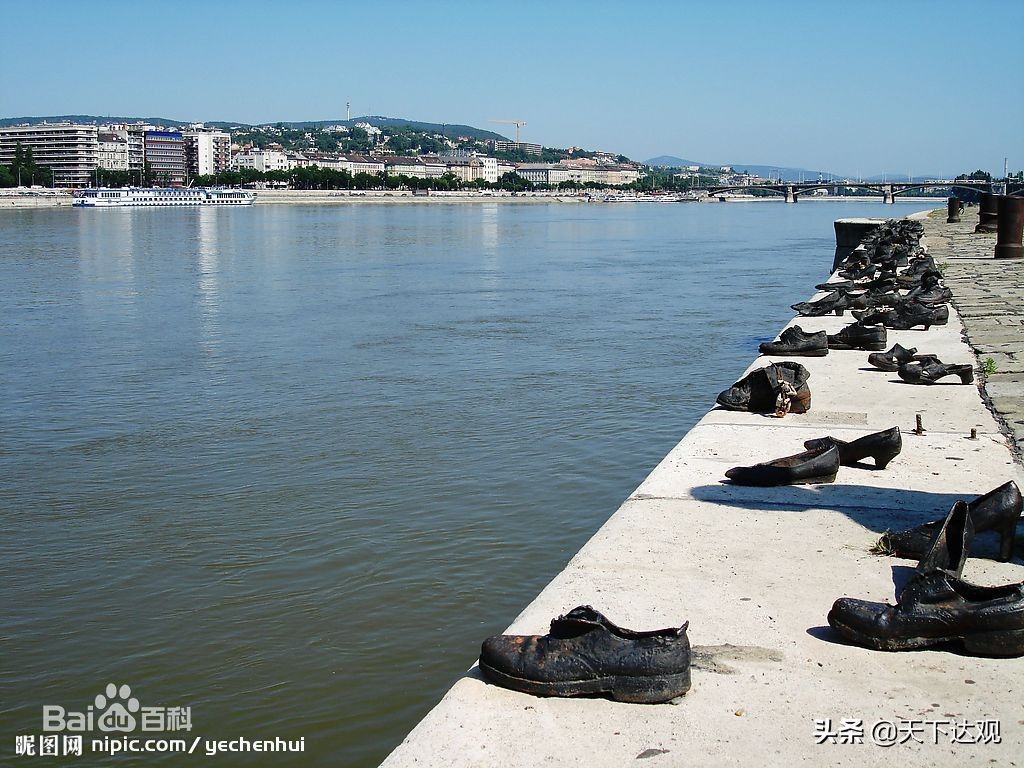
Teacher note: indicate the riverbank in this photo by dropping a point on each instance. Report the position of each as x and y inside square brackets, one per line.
[755, 572]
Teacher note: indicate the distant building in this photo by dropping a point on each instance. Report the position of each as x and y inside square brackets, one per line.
[419, 167]
[206, 152]
[165, 157]
[70, 150]
[511, 146]
[121, 148]
[264, 160]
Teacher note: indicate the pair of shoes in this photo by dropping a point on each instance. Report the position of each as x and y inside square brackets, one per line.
[780, 388]
[859, 335]
[820, 462]
[937, 607]
[835, 302]
[882, 446]
[907, 315]
[929, 371]
[998, 510]
[585, 653]
[896, 357]
[796, 341]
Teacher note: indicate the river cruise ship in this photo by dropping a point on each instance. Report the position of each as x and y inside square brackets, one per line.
[120, 198]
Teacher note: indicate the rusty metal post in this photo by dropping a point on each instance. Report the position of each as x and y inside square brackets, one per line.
[1010, 228]
[988, 212]
[952, 210]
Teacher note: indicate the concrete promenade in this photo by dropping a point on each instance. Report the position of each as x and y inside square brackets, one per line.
[755, 571]
[989, 295]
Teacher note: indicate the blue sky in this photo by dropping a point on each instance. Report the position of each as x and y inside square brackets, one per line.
[852, 86]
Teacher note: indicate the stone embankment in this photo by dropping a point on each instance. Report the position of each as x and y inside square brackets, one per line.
[755, 571]
[989, 295]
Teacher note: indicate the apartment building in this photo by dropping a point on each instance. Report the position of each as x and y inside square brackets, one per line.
[206, 152]
[264, 160]
[70, 150]
[165, 157]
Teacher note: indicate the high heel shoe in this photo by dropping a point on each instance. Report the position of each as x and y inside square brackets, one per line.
[818, 465]
[998, 510]
[930, 371]
[882, 446]
[948, 549]
[834, 302]
[897, 356]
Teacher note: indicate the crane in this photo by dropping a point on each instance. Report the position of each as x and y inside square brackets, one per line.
[516, 123]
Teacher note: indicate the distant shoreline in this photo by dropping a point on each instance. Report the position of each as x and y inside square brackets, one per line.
[10, 199]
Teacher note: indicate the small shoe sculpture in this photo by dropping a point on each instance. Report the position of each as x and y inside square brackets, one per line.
[859, 335]
[795, 341]
[937, 608]
[777, 387]
[998, 510]
[818, 465]
[930, 371]
[882, 446]
[834, 302]
[585, 653]
[897, 356]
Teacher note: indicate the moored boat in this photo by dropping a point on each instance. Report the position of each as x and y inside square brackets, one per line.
[104, 197]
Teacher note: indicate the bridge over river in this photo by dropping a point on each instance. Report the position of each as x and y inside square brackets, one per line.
[888, 190]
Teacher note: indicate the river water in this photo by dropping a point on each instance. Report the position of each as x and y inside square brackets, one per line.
[288, 466]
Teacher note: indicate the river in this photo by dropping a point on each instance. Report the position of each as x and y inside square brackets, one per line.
[288, 466]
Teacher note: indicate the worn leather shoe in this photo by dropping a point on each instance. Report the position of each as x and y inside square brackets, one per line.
[585, 653]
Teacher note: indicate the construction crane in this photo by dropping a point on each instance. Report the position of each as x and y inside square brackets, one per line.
[516, 123]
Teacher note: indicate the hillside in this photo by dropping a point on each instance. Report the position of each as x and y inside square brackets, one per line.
[450, 130]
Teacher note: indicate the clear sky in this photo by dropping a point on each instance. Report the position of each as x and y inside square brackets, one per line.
[850, 86]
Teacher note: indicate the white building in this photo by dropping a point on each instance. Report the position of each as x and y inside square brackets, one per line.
[262, 160]
[206, 152]
[71, 151]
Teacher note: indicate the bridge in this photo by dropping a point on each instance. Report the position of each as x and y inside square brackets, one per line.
[888, 190]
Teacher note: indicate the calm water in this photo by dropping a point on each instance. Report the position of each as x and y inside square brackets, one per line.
[289, 465]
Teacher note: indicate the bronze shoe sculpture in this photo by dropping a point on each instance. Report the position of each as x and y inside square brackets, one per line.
[892, 359]
[797, 342]
[585, 653]
[860, 335]
[998, 510]
[937, 608]
[818, 465]
[930, 371]
[882, 446]
[761, 391]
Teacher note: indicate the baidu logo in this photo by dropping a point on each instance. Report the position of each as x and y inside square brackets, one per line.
[117, 711]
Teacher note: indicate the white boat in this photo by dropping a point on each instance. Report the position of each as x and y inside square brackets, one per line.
[164, 197]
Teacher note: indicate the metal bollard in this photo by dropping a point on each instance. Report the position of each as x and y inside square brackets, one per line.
[988, 212]
[1010, 228]
[952, 210]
